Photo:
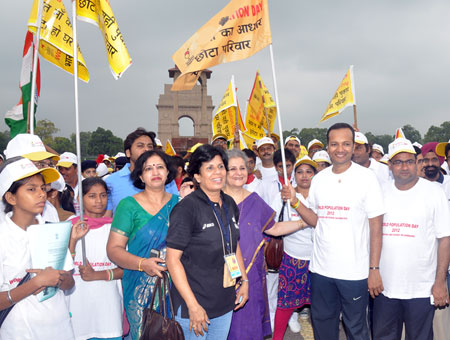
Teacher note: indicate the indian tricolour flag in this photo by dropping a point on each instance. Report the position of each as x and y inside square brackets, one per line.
[17, 117]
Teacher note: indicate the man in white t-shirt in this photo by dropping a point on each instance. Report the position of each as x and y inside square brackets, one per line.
[266, 149]
[347, 211]
[415, 253]
[361, 156]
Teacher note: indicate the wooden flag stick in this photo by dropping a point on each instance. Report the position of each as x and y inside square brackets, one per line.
[355, 120]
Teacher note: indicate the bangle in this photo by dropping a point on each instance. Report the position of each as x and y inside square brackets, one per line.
[296, 205]
[109, 275]
[242, 281]
[73, 254]
[140, 263]
[11, 301]
[112, 274]
[374, 268]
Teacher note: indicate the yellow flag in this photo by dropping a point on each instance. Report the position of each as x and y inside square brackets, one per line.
[237, 32]
[169, 149]
[185, 81]
[248, 140]
[224, 121]
[55, 44]
[344, 96]
[100, 14]
[261, 109]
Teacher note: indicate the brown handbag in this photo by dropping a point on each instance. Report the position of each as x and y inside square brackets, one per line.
[274, 250]
[158, 326]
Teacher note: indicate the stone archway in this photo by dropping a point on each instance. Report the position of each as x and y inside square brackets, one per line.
[195, 104]
[186, 126]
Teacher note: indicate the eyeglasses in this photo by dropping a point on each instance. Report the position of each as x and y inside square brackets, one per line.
[434, 160]
[191, 186]
[400, 163]
[43, 164]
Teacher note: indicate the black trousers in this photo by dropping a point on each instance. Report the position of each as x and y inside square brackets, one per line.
[330, 297]
[390, 314]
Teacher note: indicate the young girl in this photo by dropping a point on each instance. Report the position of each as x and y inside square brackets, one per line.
[96, 303]
[22, 188]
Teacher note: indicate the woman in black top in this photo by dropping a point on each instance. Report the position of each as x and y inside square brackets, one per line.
[203, 229]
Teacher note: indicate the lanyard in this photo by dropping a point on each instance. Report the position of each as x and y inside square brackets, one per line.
[226, 232]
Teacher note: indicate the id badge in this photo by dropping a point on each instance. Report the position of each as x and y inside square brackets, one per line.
[233, 265]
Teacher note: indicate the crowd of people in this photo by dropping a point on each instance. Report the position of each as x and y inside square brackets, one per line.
[365, 238]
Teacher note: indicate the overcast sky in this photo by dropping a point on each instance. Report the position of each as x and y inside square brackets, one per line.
[400, 51]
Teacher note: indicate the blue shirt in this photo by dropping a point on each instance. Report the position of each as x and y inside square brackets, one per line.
[120, 186]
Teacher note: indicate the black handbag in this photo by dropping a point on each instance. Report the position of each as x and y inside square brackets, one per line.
[4, 313]
[158, 326]
[274, 250]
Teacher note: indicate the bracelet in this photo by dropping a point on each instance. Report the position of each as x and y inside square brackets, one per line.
[242, 281]
[73, 254]
[140, 263]
[296, 205]
[112, 274]
[11, 301]
[374, 268]
[109, 275]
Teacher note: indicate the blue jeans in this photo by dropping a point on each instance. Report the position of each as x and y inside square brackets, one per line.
[217, 329]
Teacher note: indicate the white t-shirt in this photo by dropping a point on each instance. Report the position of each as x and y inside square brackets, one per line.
[344, 203]
[267, 173]
[96, 306]
[381, 171]
[413, 222]
[270, 189]
[29, 319]
[297, 244]
[50, 214]
[253, 186]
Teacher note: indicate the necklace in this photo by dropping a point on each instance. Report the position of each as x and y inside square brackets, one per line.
[163, 217]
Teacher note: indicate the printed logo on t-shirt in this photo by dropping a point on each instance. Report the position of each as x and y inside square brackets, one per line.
[207, 225]
[399, 229]
[334, 212]
[235, 224]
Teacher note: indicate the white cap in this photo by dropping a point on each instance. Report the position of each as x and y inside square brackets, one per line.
[59, 184]
[360, 138]
[315, 142]
[400, 145]
[288, 138]
[28, 146]
[23, 168]
[119, 154]
[158, 142]
[101, 170]
[321, 156]
[384, 159]
[417, 144]
[67, 159]
[378, 148]
[305, 160]
[263, 141]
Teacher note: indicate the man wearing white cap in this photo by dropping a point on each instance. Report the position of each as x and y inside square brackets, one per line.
[219, 140]
[361, 156]
[314, 146]
[266, 149]
[322, 159]
[293, 143]
[347, 212]
[31, 147]
[67, 166]
[377, 152]
[415, 253]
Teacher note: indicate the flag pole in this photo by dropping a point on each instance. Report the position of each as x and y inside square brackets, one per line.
[77, 120]
[283, 158]
[35, 62]
[355, 120]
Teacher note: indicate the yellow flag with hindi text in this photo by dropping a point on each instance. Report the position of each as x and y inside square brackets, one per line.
[224, 121]
[344, 96]
[248, 140]
[238, 31]
[169, 149]
[56, 37]
[100, 14]
[261, 110]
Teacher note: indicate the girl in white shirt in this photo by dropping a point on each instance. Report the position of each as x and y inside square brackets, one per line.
[96, 303]
[22, 188]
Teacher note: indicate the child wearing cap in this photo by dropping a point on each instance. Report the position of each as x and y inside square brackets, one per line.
[22, 188]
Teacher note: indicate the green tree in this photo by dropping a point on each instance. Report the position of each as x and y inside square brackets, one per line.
[103, 141]
[383, 140]
[438, 133]
[85, 137]
[62, 144]
[45, 129]
[412, 134]
[293, 132]
[308, 134]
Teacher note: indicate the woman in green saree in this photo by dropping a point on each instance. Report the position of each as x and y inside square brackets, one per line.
[140, 224]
